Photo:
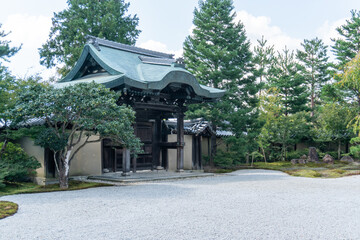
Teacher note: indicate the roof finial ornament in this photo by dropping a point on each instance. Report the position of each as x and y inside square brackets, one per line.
[93, 41]
[180, 62]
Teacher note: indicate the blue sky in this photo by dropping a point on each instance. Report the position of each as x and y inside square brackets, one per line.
[166, 23]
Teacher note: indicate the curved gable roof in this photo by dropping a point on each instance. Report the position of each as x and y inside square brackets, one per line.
[131, 66]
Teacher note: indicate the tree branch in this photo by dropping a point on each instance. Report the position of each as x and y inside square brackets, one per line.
[77, 150]
[82, 145]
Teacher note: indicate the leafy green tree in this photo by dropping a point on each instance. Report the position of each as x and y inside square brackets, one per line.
[104, 19]
[280, 131]
[314, 59]
[351, 76]
[351, 79]
[75, 116]
[5, 50]
[7, 87]
[7, 82]
[218, 54]
[333, 123]
[287, 78]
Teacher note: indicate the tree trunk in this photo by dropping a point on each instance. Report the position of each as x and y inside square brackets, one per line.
[283, 157]
[63, 179]
[2, 150]
[312, 104]
[247, 159]
[263, 151]
[64, 169]
[339, 149]
[213, 147]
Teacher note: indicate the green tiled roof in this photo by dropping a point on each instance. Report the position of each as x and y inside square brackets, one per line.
[134, 67]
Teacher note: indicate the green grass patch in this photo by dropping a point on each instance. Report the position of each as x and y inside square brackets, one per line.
[305, 173]
[7, 209]
[18, 188]
[273, 165]
[313, 170]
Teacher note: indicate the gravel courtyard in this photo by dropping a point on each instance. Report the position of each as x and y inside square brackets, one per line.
[247, 204]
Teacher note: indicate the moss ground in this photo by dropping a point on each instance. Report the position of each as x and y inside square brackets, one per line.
[313, 170]
[7, 209]
[17, 188]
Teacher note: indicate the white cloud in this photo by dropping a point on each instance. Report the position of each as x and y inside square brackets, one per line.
[191, 29]
[160, 47]
[31, 32]
[327, 30]
[256, 27]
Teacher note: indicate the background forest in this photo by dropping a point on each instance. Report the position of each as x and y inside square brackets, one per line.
[277, 103]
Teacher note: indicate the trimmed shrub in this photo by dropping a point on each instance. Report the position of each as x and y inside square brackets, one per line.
[224, 159]
[16, 165]
[297, 154]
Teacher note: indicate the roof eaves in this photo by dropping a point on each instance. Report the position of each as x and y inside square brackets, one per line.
[88, 49]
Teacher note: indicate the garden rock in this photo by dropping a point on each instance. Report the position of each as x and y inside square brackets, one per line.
[298, 161]
[328, 159]
[347, 159]
[313, 156]
[302, 161]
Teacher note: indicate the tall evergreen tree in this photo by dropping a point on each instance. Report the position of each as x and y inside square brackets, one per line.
[315, 64]
[286, 78]
[7, 85]
[348, 46]
[218, 54]
[264, 57]
[104, 19]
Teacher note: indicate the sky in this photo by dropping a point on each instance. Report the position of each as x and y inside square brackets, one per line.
[166, 23]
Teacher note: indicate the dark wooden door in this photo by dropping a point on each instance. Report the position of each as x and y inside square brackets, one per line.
[144, 131]
[112, 155]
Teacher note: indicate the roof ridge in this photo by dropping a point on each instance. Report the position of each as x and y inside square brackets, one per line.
[121, 46]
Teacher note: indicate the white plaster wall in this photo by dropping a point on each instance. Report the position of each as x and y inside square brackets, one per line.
[172, 153]
[204, 146]
[88, 160]
[36, 151]
[187, 152]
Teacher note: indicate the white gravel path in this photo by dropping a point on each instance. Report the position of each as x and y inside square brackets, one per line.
[247, 204]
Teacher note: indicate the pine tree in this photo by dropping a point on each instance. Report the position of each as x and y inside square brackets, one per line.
[218, 54]
[287, 80]
[7, 86]
[348, 46]
[345, 50]
[264, 57]
[105, 19]
[315, 70]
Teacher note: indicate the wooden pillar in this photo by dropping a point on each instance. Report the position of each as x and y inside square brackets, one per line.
[197, 152]
[180, 141]
[126, 162]
[200, 153]
[194, 152]
[134, 163]
[156, 144]
[213, 146]
[114, 155]
[164, 151]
